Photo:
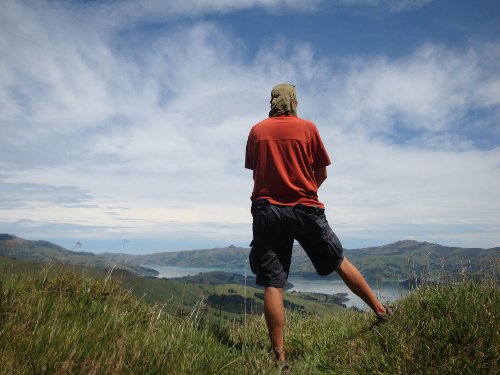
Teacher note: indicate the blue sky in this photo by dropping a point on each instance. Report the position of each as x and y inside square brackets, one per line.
[125, 122]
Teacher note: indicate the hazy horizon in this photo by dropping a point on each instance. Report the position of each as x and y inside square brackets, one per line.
[144, 251]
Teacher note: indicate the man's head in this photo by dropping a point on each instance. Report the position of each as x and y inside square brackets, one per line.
[283, 100]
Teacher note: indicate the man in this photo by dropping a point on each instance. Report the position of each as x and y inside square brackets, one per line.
[289, 163]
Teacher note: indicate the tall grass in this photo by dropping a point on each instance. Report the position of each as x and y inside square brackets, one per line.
[65, 323]
[69, 324]
[445, 329]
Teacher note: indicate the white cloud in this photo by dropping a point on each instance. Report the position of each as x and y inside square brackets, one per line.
[161, 131]
[17, 195]
[376, 188]
[429, 93]
[394, 5]
[123, 13]
[57, 72]
[400, 5]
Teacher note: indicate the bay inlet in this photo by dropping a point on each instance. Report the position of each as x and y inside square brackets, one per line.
[387, 291]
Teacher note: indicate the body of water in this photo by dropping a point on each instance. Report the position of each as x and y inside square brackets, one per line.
[388, 291]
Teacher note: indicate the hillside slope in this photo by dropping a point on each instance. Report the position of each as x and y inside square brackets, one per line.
[71, 324]
[227, 295]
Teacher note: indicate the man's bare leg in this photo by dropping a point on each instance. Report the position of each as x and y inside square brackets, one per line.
[275, 319]
[357, 283]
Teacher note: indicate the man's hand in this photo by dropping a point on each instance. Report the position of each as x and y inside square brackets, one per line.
[320, 175]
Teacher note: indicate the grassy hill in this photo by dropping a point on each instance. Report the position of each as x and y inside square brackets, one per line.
[69, 323]
[225, 296]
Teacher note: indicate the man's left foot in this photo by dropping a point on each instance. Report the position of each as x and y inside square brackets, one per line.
[285, 368]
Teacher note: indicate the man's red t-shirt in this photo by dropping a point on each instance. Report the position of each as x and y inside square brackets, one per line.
[283, 152]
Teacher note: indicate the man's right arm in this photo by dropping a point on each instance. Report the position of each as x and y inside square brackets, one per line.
[249, 154]
[320, 175]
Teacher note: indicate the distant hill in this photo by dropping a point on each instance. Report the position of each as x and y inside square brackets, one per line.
[404, 259]
[221, 278]
[43, 251]
[231, 257]
[218, 278]
[396, 261]
[400, 260]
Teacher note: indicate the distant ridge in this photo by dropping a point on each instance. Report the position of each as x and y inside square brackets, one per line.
[395, 261]
[219, 257]
[15, 247]
[400, 260]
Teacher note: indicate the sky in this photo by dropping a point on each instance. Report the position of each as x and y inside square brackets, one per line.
[123, 124]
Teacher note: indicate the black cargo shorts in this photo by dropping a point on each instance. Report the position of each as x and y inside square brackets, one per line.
[274, 230]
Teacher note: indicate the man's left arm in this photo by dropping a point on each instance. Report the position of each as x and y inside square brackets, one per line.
[320, 156]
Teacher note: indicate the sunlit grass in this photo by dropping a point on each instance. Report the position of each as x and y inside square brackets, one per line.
[70, 324]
